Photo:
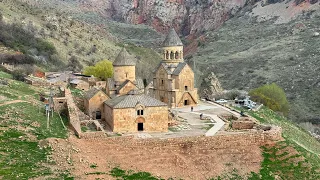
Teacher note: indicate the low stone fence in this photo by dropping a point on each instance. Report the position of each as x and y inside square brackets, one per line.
[220, 141]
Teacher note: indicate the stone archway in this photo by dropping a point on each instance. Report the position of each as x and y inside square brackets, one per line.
[140, 120]
[186, 100]
[140, 123]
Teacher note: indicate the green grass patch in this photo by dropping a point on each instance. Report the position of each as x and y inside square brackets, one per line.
[284, 166]
[35, 118]
[20, 159]
[5, 75]
[16, 89]
[290, 131]
[76, 92]
[130, 175]
[173, 129]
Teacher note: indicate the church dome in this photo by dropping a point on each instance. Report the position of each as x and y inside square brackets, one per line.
[124, 59]
[172, 39]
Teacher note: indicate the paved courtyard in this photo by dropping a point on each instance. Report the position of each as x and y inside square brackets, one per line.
[190, 123]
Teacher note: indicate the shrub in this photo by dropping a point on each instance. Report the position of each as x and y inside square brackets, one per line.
[272, 96]
[102, 70]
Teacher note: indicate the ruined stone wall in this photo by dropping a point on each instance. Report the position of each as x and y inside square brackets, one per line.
[154, 119]
[101, 84]
[83, 86]
[74, 120]
[95, 104]
[60, 104]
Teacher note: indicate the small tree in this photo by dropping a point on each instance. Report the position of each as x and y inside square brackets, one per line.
[102, 70]
[272, 96]
[74, 64]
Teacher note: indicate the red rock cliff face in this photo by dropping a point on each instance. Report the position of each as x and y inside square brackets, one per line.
[187, 16]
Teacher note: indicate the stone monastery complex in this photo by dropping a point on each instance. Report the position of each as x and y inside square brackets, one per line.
[126, 107]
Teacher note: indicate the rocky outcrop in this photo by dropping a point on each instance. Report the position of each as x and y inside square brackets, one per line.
[187, 16]
[210, 86]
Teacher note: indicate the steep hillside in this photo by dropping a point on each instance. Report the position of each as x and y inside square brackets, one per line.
[263, 42]
[248, 51]
[188, 16]
[80, 35]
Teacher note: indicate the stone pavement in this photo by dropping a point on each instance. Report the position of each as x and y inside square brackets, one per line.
[218, 123]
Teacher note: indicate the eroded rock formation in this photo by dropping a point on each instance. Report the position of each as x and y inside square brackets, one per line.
[187, 16]
[210, 86]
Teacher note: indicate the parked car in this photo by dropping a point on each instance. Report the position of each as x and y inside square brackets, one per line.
[221, 101]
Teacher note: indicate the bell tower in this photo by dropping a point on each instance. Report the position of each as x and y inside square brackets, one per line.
[172, 48]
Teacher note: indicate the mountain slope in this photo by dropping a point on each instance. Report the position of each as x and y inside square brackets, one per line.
[246, 53]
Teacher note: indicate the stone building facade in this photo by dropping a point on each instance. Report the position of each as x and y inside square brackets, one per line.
[173, 81]
[124, 76]
[93, 103]
[136, 112]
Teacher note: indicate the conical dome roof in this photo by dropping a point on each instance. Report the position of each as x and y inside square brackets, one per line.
[172, 39]
[124, 59]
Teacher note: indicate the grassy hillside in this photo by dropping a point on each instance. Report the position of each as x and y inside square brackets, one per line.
[23, 125]
[88, 37]
[246, 54]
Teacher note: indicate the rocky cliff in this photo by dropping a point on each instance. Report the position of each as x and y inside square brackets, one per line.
[187, 16]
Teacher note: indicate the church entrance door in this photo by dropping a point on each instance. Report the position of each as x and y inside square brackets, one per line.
[140, 126]
[186, 102]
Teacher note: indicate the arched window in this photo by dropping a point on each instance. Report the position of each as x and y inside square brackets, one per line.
[171, 55]
[167, 55]
[177, 55]
[139, 110]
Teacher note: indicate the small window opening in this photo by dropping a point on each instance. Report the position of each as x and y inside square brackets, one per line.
[186, 88]
[140, 112]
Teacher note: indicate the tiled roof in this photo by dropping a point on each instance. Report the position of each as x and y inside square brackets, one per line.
[171, 69]
[91, 92]
[77, 81]
[123, 84]
[124, 59]
[179, 68]
[130, 101]
[110, 84]
[139, 83]
[172, 39]
[165, 66]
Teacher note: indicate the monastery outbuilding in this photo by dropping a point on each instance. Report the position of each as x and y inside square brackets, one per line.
[136, 112]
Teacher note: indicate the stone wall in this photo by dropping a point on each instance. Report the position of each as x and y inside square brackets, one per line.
[74, 120]
[220, 141]
[126, 88]
[108, 116]
[95, 104]
[155, 119]
[122, 73]
[242, 124]
[60, 104]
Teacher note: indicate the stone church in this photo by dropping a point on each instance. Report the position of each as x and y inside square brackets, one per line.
[124, 76]
[125, 107]
[173, 81]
